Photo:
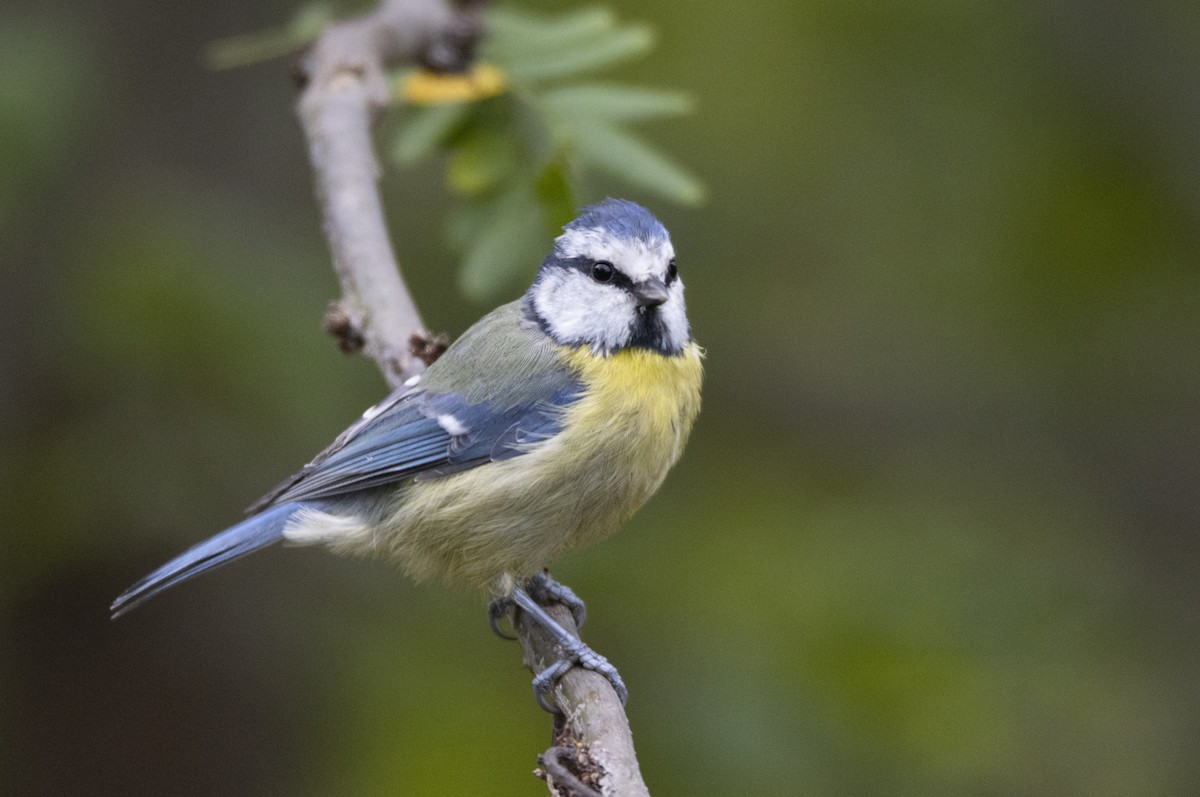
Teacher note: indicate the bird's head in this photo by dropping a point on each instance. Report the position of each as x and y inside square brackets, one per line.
[611, 283]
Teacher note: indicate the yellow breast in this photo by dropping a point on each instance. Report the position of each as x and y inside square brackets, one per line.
[627, 430]
[638, 394]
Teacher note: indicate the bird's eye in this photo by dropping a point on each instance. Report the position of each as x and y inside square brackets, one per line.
[602, 271]
[672, 271]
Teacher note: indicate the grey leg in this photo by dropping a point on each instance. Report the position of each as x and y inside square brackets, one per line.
[574, 652]
[544, 589]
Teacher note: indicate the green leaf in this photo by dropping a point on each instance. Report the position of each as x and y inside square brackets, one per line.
[508, 246]
[557, 61]
[516, 160]
[482, 158]
[252, 48]
[425, 128]
[513, 31]
[622, 155]
[611, 102]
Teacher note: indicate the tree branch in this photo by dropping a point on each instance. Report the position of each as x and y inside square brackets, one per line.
[590, 715]
[345, 88]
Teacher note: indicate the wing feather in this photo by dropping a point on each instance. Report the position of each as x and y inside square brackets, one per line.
[500, 389]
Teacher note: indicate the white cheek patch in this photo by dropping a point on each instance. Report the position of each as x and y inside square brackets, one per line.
[579, 310]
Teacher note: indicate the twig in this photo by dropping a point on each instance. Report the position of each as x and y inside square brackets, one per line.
[344, 90]
[590, 713]
[565, 768]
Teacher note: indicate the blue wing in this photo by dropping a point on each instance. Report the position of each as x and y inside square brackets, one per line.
[490, 434]
[425, 435]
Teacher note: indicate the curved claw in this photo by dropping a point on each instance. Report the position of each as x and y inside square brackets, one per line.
[543, 683]
[497, 609]
[591, 660]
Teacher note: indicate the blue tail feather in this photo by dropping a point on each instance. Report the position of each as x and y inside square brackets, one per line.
[247, 537]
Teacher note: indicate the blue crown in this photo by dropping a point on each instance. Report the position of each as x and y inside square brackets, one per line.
[621, 218]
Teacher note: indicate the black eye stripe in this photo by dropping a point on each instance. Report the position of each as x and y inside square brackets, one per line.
[584, 265]
[619, 279]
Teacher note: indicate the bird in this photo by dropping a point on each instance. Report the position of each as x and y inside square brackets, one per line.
[541, 430]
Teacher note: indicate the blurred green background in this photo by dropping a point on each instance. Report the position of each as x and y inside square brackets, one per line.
[936, 533]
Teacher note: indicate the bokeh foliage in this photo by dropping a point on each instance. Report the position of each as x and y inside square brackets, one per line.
[518, 160]
[936, 531]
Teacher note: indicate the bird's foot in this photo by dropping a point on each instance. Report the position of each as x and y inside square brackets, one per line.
[544, 589]
[583, 656]
[575, 652]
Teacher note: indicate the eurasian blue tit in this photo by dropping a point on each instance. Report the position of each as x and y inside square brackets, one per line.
[542, 429]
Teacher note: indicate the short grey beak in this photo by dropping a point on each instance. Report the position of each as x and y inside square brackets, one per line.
[650, 293]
